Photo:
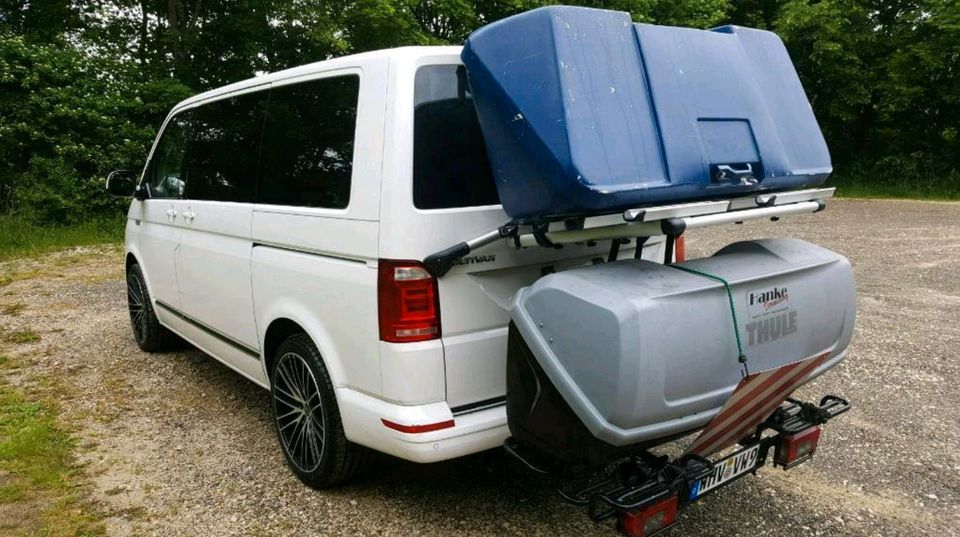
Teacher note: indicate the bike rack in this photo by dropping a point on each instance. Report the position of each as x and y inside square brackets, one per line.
[669, 220]
[645, 479]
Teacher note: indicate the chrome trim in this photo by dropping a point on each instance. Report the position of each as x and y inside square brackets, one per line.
[478, 406]
[309, 252]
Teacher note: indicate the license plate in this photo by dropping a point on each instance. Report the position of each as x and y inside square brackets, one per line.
[726, 470]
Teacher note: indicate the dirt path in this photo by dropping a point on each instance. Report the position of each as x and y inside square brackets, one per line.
[176, 444]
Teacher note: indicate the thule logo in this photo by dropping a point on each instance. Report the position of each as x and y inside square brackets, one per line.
[771, 328]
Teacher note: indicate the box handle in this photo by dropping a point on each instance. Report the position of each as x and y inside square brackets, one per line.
[740, 171]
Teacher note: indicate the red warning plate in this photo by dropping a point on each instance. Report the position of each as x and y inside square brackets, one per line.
[754, 399]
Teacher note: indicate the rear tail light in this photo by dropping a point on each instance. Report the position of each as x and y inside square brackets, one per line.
[408, 302]
[650, 519]
[797, 447]
[680, 249]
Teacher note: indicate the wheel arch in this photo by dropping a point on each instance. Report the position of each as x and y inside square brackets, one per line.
[133, 258]
[278, 330]
[282, 326]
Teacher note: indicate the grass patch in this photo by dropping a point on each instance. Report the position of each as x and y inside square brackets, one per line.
[39, 480]
[57, 265]
[19, 336]
[10, 363]
[864, 189]
[13, 309]
[21, 238]
[903, 177]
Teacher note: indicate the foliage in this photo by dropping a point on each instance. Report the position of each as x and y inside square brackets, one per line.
[84, 85]
[22, 237]
[64, 119]
[884, 80]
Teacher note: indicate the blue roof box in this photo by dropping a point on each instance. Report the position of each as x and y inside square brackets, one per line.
[585, 112]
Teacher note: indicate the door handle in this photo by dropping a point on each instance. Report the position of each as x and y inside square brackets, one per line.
[171, 214]
[189, 215]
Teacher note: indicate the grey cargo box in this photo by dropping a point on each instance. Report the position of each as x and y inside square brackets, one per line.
[641, 351]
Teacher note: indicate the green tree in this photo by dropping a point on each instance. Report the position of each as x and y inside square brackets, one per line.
[84, 85]
[38, 20]
[830, 43]
[63, 123]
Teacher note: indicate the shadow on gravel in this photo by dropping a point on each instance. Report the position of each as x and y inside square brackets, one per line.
[452, 488]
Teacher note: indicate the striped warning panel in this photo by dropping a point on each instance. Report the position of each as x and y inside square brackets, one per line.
[755, 398]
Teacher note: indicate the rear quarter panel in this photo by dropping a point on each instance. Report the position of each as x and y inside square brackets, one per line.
[317, 266]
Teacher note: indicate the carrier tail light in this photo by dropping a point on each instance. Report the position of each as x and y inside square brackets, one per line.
[797, 447]
[650, 520]
[407, 301]
[680, 249]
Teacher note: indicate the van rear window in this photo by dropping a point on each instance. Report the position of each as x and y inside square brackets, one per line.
[450, 166]
[308, 143]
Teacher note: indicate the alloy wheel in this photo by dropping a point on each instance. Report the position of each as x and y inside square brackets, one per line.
[136, 303]
[299, 412]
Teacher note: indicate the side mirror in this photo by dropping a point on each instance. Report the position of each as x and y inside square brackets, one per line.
[122, 183]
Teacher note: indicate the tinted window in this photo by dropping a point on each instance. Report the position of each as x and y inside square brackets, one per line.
[450, 167]
[223, 154]
[165, 175]
[308, 143]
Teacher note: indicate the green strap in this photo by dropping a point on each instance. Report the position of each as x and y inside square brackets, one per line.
[733, 310]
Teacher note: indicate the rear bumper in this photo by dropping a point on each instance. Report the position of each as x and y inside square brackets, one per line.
[472, 432]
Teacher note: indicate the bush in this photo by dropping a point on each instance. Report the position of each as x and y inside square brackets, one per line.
[917, 175]
[66, 119]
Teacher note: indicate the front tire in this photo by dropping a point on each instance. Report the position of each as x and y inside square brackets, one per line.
[307, 417]
[149, 334]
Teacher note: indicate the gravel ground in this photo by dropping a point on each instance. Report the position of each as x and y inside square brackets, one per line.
[176, 444]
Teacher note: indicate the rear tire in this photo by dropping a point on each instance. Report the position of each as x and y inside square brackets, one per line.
[307, 417]
[149, 334]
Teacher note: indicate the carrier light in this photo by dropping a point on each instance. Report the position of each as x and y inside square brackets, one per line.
[797, 447]
[650, 520]
[407, 301]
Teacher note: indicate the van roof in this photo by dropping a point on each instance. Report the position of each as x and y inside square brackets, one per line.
[319, 67]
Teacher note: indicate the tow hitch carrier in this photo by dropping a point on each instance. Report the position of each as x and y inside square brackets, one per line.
[646, 491]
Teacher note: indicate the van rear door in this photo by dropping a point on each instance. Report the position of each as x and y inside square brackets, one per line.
[445, 193]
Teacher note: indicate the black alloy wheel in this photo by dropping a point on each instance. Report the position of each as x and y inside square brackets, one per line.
[149, 334]
[299, 412]
[307, 417]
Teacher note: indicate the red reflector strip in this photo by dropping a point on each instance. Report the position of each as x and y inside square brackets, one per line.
[754, 399]
[414, 429]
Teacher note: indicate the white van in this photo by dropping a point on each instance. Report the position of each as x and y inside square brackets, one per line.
[279, 225]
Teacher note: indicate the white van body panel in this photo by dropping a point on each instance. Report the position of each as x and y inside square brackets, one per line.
[331, 299]
[218, 235]
[159, 233]
[224, 273]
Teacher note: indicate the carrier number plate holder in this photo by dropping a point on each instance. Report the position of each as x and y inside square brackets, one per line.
[726, 470]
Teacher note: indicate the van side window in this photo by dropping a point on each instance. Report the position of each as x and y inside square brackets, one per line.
[450, 166]
[165, 175]
[308, 143]
[224, 149]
